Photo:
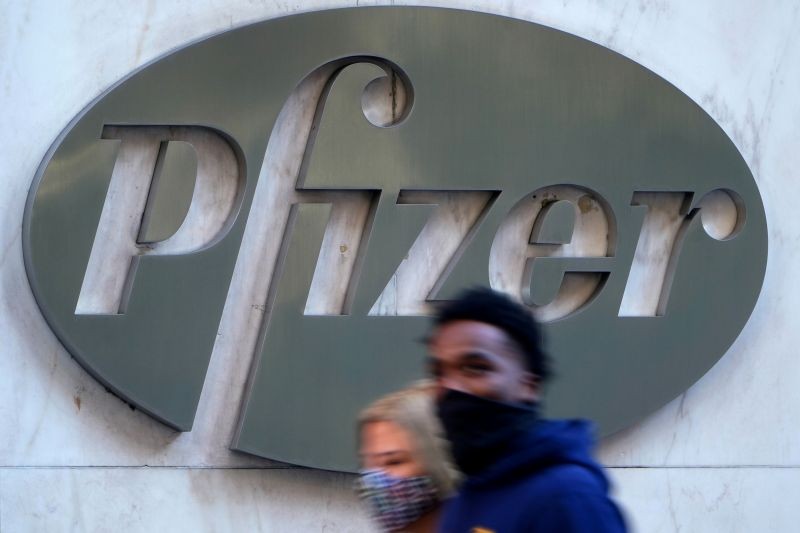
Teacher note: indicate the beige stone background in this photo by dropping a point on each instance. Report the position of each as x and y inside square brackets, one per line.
[725, 456]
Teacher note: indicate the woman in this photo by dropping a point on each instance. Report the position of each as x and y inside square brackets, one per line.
[406, 472]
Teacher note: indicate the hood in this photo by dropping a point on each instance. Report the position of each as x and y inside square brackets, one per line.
[547, 443]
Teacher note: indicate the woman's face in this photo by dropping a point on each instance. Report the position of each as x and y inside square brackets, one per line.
[389, 447]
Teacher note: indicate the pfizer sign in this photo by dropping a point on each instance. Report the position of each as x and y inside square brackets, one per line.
[373, 161]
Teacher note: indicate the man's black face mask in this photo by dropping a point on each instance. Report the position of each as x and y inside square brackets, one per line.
[479, 430]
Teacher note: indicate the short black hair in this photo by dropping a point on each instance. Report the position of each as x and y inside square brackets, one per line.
[481, 304]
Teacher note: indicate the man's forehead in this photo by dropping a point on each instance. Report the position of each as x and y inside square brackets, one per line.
[469, 333]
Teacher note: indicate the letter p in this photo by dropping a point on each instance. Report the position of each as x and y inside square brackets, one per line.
[173, 190]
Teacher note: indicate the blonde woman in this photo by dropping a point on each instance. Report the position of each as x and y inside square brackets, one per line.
[406, 472]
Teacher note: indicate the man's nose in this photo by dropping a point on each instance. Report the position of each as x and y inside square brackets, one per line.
[445, 383]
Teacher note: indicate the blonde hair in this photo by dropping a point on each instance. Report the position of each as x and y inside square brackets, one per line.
[412, 409]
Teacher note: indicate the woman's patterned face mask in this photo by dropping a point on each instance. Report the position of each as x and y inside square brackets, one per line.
[396, 502]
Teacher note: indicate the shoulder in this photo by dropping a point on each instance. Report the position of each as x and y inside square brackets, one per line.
[566, 479]
[556, 480]
[564, 498]
[570, 498]
[555, 486]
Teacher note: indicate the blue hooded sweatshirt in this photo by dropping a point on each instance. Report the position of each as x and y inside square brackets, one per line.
[546, 482]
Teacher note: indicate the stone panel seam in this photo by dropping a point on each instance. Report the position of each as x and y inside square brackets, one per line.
[703, 467]
[147, 467]
[298, 468]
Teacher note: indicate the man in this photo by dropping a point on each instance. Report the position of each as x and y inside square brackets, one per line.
[522, 473]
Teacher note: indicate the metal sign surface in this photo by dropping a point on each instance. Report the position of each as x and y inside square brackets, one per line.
[582, 183]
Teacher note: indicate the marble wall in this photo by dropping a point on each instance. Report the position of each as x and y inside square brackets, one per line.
[724, 456]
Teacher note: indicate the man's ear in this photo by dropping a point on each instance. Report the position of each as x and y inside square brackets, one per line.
[531, 387]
